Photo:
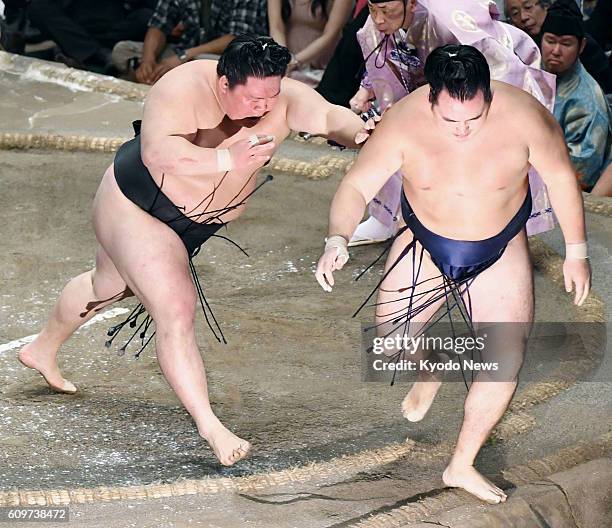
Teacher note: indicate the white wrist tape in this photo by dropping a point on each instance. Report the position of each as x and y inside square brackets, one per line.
[341, 245]
[576, 251]
[224, 160]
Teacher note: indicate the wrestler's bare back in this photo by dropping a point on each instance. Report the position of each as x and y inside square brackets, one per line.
[466, 190]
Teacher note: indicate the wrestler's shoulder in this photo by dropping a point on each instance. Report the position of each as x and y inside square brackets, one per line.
[187, 77]
[291, 89]
[296, 94]
[516, 100]
[516, 108]
[185, 95]
[412, 104]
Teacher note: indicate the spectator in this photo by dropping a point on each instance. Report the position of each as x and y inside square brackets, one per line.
[603, 187]
[86, 30]
[311, 30]
[12, 26]
[529, 16]
[396, 40]
[343, 73]
[200, 28]
[580, 105]
[599, 25]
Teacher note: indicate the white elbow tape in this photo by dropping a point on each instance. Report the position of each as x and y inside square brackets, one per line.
[224, 160]
[341, 245]
[576, 251]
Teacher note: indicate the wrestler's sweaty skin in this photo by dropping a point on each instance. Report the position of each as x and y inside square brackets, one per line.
[464, 166]
[189, 115]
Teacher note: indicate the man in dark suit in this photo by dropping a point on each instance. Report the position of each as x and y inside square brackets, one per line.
[86, 30]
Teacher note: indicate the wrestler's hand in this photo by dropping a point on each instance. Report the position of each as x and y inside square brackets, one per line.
[144, 72]
[334, 258]
[577, 272]
[247, 152]
[365, 132]
[362, 100]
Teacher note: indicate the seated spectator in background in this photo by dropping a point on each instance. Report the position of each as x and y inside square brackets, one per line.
[580, 105]
[86, 30]
[342, 76]
[603, 187]
[599, 25]
[311, 30]
[12, 26]
[396, 40]
[200, 28]
[529, 16]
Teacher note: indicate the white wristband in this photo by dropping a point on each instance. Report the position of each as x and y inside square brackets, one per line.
[576, 251]
[341, 245]
[224, 160]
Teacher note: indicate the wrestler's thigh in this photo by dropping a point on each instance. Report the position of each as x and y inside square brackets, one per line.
[149, 256]
[504, 292]
[394, 297]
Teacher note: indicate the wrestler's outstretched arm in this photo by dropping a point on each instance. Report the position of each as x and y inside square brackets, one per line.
[380, 157]
[549, 156]
[169, 113]
[307, 111]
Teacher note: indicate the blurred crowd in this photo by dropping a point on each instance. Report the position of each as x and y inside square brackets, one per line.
[141, 40]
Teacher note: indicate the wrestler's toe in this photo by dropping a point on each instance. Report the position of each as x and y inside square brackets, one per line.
[236, 455]
[68, 387]
[493, 495]
[500, 493]
[473, 482]
[245, 448]
[242, 451]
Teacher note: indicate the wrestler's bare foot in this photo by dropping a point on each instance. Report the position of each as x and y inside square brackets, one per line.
[31, 357]
[470, 480]
[419, 399]
[228, 447]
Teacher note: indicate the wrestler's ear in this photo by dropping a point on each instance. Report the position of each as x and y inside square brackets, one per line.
[224, 84]
[412, 5]
[582, 45]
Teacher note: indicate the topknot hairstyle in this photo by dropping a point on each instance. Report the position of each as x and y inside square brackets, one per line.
[459, 69]
[251, 56]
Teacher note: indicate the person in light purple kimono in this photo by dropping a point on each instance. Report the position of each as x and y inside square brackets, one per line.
[397, 38]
